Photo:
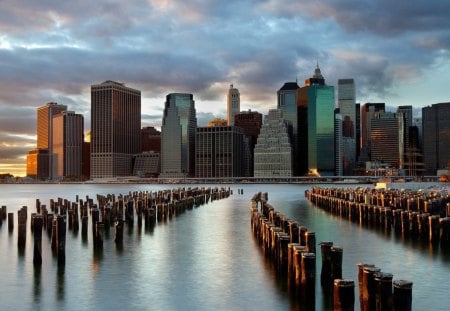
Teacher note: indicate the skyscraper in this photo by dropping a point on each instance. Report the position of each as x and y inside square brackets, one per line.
[368, 111]
[273, 151]
[178, 136]
[150, 139]
[67, 142]
[346, 104]
[338, 145]
[233, 104]
[436, 137]
[287, 103]
[316, 126]
[115, 129]
[45, 115]
[386, 139]
[250, 122]
[221, 151]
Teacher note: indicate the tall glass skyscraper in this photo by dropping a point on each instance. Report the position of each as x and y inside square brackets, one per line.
[178, 136]
[346, 104]
[287, 103]
[316, 125]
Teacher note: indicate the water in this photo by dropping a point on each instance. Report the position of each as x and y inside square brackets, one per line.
[204, 259]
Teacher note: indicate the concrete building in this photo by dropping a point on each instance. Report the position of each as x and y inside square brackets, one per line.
[250, 122]
[346, 104]
[436, 137]
[178, 136]
[67, 142]
[316, 130]
[115, 129]
[338, 143]
[221, 151]
[150, 139]
[368, 111]
[233, 104]
[386, 139]
[44, 131]
[147, 164]
[273, 150]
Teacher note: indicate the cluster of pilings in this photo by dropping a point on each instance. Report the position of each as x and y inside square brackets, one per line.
[109, 211]
[415, 214]
[291, 248]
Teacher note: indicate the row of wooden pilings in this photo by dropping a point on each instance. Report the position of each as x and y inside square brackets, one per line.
[292, 249]
[415, 214]
[109, 211]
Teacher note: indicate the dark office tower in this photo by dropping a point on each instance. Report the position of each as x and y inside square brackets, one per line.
[316, 126]
[413, 155]
[386, 139]
[358, 129]
[407, 122]
[115, 129]
[150, 139]
[346, 104]
[368, 111]
[221, 151]
[250, 122]
[178, 136]
[287, 103]
[436, 137]
[67, 141]
[338, 143]
[45, 115]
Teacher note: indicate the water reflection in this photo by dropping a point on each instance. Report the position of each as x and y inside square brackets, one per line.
[60, 281]
[37, 283]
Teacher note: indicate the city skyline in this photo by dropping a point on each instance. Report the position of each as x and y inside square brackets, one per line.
[159, 47]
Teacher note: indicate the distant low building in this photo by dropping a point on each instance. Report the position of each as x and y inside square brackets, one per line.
[38, 164]
[147, 164]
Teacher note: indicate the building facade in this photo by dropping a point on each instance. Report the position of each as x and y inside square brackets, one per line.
[316, 130]
[67, 142]
[221, 151]
[146, 164]
[150, 139]
[44, 131]
[346, 105]
[273, 150]
[368, 111]
[436, 137]
[338, 143]
[386, 139]
[115, 129]
[38, 164]
[178, 136]
[233, 104]
[287, 103]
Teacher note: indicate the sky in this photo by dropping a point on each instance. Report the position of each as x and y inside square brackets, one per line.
[53, 51]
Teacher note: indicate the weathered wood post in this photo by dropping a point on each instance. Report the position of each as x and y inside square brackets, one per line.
[369, 288]
[383, 283]
[61, 239]
[10, 222]
[311, 241]
[343, 295]
[402, 295]
[325, 274]
[22, 227]
[37, 230]
[336, 254]
[118, 238]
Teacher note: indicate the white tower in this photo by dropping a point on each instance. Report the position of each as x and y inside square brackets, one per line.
[233, 104]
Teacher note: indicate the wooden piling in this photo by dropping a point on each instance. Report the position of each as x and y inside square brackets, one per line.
[383, 297]
[402, 295]
[10, 222]
[325, 274]
[369, 288]
[37, 234]
[343, 295]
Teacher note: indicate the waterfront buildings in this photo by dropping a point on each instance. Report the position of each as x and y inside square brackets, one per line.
[178, 136]
[368, 111]
[146, 164]
[150, 139]
[273, 150]
[338, 143]
[233, 104]
[436, 137]
[44, 131]
[316, 126]
[38, 164]
[346, 105]
[67, 144]
[217, 122]
[387, 139]
[221, 151]
[250, 122]
[115, 129]
[287, 103]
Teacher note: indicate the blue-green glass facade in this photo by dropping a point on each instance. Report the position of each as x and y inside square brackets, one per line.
[320, 114]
